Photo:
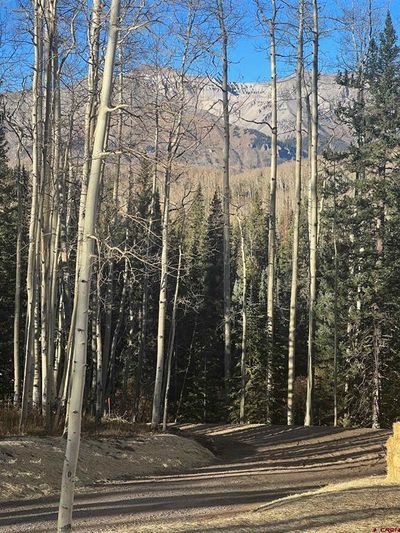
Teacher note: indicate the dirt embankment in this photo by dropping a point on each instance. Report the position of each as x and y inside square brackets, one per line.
[32, 466]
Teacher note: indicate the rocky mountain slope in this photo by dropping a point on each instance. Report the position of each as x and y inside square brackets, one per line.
[251, 112]
[250, 107]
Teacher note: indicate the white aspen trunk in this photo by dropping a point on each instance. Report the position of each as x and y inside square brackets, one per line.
[243, 358]
[376, 378]
[172, 148]
[98, 349]
[272, 212]
[162, 305]
[64, 307]
[309, 140]
[65, 201]
[172, 340]
[92, 85]
[377, 327]
[108, 311]
[226, 200]
[37, 384]
[46, 193]
[313, 221]
[17, 296]
[110, 339]
[335, 307]
[31, 276]
[59, 344]
[296, 221]
[145, 295]
[82, 295]
[55, 224]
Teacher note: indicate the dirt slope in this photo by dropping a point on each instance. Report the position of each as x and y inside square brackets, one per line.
[32, 466]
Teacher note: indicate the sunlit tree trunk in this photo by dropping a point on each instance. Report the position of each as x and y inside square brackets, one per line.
[377, 340]
[37, 382]
[272, 211]
[98, 349]
[49, 183]
[172, 339]
[313, 221]
[226, 199]
[174, 140]
[243, 357]
[145, 295]
[296, 219]
[31, 276]
[82, 295]
[90, 115]
[162, 302]
[109, 337]
[376, 377]
[17, 297]
[335, 307]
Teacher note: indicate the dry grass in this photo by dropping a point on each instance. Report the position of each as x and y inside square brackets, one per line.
[111, 427]
[9, 422]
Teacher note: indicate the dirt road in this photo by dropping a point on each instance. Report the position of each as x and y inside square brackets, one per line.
[255, 464]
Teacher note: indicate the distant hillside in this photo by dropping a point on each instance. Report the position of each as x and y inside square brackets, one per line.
[250, 113]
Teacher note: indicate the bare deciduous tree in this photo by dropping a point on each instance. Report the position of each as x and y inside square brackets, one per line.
[297, 208]
[313, 220]
[84, 263]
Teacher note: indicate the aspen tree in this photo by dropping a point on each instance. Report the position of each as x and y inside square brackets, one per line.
[31, 276]
[313, 219]
[20, 174]
[174, 140]
[296, 221]
[49, 216]
[109, 338]
[226, 196]
[162, 302]
[98, 347]
[145, 294]
[82, 295]
[270, 23]
[172, 338]
[335, 304]
[90, 113]
[243, 357]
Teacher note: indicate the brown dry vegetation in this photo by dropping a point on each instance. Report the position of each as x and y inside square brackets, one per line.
[110, 427]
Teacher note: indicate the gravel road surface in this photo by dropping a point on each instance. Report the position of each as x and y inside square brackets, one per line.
[254, 464]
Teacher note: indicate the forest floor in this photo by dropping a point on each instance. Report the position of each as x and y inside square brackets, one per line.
[264, 479]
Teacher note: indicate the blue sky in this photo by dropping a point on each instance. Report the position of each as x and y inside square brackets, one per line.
[248, 51]
[250, 63]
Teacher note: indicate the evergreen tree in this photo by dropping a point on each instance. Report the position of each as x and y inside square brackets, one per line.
[8, 232]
